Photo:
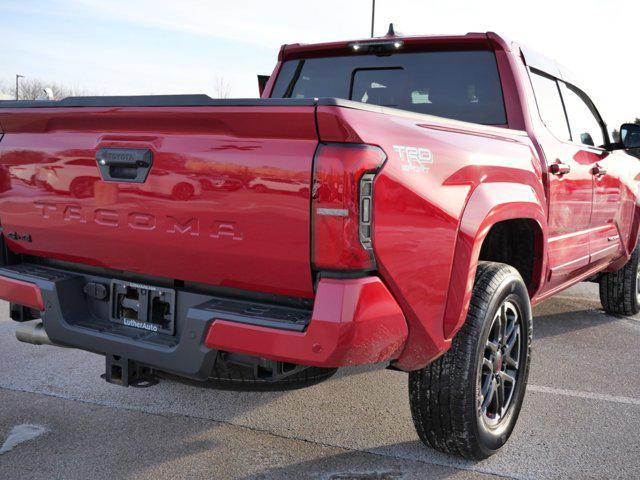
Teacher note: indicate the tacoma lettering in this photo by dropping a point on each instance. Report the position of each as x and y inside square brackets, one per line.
[217, 229]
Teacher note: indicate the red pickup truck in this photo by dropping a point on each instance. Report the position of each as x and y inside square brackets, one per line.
[396, 200]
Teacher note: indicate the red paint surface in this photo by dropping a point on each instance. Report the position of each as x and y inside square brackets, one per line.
[245, 223]
[354, 322]
[424, 249]
[22, 293]
[254, 215]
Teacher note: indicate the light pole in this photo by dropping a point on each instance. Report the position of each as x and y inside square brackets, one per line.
[18, 77]
[373, 15]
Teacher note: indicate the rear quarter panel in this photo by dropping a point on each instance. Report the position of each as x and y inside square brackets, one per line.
[422, 215]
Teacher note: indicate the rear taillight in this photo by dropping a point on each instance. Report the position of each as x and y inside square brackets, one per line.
[342, 205]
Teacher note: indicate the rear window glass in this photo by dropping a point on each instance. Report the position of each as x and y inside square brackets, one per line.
[463, 85]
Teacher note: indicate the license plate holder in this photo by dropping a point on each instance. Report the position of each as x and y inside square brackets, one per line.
[143, 307]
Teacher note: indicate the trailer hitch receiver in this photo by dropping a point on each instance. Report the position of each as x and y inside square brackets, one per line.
[128, 373]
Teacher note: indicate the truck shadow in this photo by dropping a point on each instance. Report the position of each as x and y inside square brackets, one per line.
[562, 315]
[356, 465]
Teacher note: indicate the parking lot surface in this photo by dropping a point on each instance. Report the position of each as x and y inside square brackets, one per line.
[581, 417]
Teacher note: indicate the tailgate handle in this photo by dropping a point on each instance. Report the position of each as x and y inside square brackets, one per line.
[130, 165]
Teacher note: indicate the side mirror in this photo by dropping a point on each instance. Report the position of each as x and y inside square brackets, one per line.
[630, 135]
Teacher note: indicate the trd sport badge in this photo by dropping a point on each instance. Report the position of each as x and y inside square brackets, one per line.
[414, 159]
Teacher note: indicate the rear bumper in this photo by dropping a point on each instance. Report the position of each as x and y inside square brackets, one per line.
[71, 319]
[23, 293]
[354, 322]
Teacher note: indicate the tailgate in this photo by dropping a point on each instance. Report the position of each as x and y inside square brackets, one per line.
[218, 195]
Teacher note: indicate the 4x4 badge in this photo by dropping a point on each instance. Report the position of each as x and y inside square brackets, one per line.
[19, 238]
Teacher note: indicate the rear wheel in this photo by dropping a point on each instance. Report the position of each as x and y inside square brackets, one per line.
[620, 291]
[467, 402]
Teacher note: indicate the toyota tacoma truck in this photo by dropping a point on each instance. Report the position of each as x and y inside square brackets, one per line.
[417, 196]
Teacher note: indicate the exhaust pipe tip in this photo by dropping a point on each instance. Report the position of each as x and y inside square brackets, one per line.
[34, 333]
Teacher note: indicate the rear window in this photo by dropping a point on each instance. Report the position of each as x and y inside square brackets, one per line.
[463, 85]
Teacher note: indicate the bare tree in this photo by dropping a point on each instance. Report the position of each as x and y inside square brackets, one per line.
[34, 89]
[5, 89]
[31, 89]
[615, 135]
[63, 91]
[221, 87]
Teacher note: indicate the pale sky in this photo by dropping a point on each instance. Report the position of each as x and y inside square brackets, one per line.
[156, 46]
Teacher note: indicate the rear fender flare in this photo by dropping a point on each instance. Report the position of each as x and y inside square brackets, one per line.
[489, 204]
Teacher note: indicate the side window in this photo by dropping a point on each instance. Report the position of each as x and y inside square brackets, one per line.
[323, 77]
[585, 125]
[287, 72]
[550, 105]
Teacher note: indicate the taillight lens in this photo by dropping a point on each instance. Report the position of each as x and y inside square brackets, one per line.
[342, 205]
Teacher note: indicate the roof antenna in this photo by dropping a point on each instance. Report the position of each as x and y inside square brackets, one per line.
[391, 32]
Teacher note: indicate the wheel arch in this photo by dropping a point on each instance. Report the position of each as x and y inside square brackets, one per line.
[631, 243]
[492, 206]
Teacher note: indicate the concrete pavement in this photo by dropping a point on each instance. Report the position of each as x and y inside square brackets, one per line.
[581, 417]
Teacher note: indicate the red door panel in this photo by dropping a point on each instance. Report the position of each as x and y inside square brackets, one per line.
[570, 204]
[605, 240]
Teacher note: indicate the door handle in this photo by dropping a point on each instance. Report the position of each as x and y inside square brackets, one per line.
[559, 168]
[598, 171]
[124, 164]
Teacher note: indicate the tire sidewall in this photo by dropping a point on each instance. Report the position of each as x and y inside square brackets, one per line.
[511, 289]
[635, 260]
